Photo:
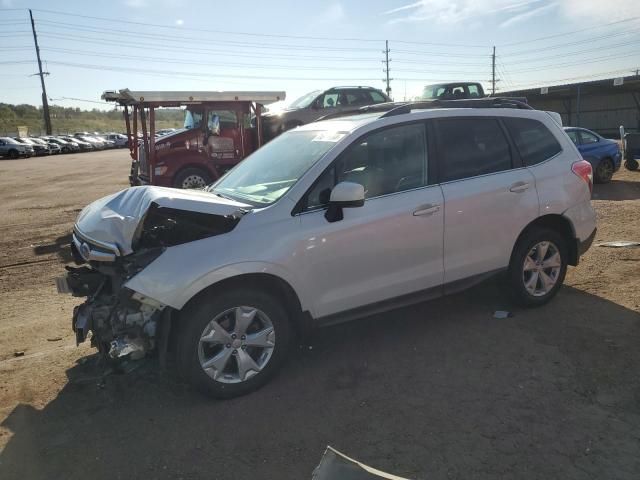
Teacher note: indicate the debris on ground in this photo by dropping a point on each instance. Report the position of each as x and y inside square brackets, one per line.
[54, 339]
[19, 353]
[620, 244]
[501, 314]
[335, 465]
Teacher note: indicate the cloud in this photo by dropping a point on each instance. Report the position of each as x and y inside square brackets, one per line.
[6, 3]
[520, 17]
[136, 3]
[510, 12]
[179, 22]
[334, 13]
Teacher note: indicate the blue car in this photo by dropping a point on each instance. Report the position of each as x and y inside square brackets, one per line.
[604, 155]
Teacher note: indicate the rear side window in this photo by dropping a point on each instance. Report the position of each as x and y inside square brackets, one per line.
[470, 147]
[377, 97]
[573, 135]
[534, 141]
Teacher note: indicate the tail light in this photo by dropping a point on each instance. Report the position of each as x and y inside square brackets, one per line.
[584, 170]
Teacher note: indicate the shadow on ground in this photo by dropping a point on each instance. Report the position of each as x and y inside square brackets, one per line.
[617, 190]
[60, 247]
[438, 390]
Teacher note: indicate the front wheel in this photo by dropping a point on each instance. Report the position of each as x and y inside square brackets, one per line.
[604, 171]
[232, 343]
[192, 178]
[13, 154]
[538, 267]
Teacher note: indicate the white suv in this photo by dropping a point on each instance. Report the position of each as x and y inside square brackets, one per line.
[328, 222]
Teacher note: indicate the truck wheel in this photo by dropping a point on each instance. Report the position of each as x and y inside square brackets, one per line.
[631, 164]
[192, 178]
[233, 342]
[604, 171]
[537, 267]
[13, 154]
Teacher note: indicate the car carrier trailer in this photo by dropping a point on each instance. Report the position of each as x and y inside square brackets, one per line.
[220, 130]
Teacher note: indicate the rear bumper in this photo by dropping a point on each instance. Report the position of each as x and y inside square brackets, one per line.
[584, 245]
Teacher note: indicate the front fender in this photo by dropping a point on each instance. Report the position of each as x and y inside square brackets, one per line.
[176, 286]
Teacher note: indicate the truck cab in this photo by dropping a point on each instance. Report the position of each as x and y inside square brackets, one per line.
[220, 129]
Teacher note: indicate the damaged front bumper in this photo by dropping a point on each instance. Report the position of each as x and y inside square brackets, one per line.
[120, 322]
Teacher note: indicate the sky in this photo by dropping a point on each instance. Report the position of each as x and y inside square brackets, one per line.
[300, 46]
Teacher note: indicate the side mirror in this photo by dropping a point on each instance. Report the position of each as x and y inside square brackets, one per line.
[344, 195]
[213, 126]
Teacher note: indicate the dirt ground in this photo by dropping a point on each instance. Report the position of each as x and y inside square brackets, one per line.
[438, 390]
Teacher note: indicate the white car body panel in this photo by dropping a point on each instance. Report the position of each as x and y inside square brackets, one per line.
[483, 220]
[378, 251]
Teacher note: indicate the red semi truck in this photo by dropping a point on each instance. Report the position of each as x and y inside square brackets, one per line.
[220, 129]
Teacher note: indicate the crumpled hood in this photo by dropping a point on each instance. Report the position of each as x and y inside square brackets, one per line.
[115, 218]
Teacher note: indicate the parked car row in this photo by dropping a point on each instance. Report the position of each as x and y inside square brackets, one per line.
[16, 147]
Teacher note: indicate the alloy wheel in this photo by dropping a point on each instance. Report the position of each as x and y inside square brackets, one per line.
[236, 345]
[541, 268]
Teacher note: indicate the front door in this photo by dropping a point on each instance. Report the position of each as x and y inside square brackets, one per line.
[390, 247]
[489, 198]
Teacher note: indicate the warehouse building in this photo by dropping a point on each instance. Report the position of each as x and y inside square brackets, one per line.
[600, 105]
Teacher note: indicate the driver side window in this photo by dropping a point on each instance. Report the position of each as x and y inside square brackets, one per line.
[330, 100]
[387, 161]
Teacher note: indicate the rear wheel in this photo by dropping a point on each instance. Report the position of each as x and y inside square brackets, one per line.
[538, 267]
[631, 164]
[192, 178]
[233, 343]
[604, 171]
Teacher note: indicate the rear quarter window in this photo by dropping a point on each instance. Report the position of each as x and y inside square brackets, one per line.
[534, 141]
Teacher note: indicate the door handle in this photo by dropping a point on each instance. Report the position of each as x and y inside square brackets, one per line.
[519, 187]
[427, 209]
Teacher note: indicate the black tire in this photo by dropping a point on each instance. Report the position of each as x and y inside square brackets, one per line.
[604, 171]
[195, 318]
[13, 154]
[188, 176]
[631, 164]
[516, 275]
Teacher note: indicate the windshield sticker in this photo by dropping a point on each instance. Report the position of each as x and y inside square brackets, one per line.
[329, 136]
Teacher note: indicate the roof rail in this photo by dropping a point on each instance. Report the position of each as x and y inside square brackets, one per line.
[488, 102]
[389, 109]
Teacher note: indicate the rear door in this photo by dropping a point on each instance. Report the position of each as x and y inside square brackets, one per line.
[489, 195]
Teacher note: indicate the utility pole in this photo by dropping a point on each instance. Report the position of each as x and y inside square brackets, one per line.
[386, 69]
[493, 72]
[45, 103]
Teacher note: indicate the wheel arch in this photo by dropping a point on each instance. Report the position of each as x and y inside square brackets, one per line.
[267, 282]
[560, 224]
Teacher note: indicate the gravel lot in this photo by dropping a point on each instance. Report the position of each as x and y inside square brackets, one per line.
[438, 390]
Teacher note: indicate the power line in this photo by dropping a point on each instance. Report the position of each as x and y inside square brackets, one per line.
[253, 34]
[151, 59]
[575, 52]
[567, 44]
[572, 64]
[156, 47]
[557, 35]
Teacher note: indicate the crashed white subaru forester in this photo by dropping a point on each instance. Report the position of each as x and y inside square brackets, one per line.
[331, 221]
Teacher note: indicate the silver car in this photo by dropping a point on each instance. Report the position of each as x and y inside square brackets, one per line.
[14, 149]
[317, 104]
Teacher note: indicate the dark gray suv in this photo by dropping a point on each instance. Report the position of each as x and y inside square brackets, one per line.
[316, 104]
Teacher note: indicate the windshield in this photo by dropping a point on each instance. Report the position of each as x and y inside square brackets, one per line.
[192, 119]
[268, 173]
[305, 100]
